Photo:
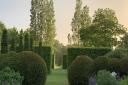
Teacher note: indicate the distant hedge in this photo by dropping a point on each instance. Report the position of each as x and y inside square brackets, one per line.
[46, 53]
[91, 52]
[65, 61]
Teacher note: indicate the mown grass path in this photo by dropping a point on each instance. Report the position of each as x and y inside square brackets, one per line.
[58, 77]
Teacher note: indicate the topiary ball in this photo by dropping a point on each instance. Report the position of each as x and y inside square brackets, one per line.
[80, 70]
[124, 66]
[32, 67]
[101, 63]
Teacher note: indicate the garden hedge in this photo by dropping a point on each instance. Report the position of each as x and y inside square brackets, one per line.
[91, 52]
[117, 53]
[65, 62]
[46, 53]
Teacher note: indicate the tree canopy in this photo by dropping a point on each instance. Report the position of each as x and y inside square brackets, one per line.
[103, 31]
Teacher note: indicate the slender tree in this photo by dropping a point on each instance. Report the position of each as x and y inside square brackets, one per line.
[85, 18]
[42, 24]
[2, 27]
[76, 22]
[21, 45]
[31, 43]
[12, 45]
[34, 29]
[4, 41]
[49, 31]
[13, 38]
[26, 42]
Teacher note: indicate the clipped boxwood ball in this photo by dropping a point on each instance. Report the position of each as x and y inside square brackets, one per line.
[101, 63]
[32, 67]
[80, 70]
[124, 66]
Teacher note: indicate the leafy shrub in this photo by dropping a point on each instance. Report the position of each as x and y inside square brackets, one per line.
[80, 71]
[101, 63]
[12, 77]
[117, 53]
[105, 78]
[124, 81]
[91, 52]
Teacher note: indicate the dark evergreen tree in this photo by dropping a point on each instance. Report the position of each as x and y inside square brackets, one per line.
[4, 41]
[21, 45]
[31, 43]
[12, 45]
[26, 42]
[40, 46]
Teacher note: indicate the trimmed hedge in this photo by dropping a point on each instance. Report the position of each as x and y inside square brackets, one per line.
[46, 53]
[91, 52]
[65, 61]
[117, 53]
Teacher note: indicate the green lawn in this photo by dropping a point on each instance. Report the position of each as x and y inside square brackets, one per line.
[58, 77]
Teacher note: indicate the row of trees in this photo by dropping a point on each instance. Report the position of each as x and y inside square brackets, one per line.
[12, 40]
[42, 26]
[103, 30]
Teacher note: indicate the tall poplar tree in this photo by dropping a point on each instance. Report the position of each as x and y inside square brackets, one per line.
[50, 24]
[76, 22]
[42, 21]
[34, 20]
[85, 18]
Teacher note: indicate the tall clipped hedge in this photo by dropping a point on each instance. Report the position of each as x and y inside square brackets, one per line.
[46, 53]
[91, 52]
[65, 62]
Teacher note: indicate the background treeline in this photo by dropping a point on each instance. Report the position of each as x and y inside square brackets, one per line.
[101, 30]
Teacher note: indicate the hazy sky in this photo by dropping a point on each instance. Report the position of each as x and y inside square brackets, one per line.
[16, 13]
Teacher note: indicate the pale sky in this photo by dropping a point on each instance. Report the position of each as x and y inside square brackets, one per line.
[16, 13]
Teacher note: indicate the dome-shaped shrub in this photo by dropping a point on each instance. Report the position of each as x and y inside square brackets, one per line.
[114, 65]
[32, 67]
[101, 63]
[124, 66]
[80, 70]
